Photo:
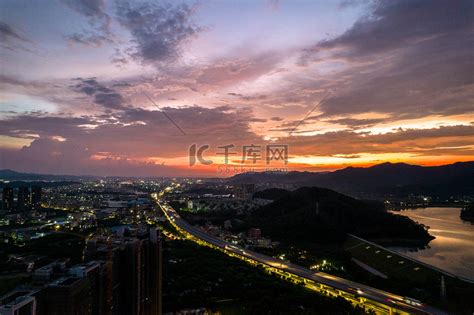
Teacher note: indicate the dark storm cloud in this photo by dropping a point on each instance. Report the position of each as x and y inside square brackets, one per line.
[89, 86]
[88, 8]
[410, 57]
[351, 122]
[347, 156]
[396, 24]
[258, 120]
[121, 84]
[124, 136]
[158, 30]
[104, 96]
[139, 130]
[23, 126]
[55, 157]
[248, 98]
[413, 134]
[99, 22]
[109, 100]
[137, 133]
[455, 140]
[11, 39]
[7, 33]
[11, 80]
[89, 38]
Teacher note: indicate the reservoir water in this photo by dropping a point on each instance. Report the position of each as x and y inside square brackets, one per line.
[453, 248]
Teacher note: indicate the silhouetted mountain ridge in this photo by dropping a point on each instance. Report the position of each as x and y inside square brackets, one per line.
[11, 175]
[382, 179]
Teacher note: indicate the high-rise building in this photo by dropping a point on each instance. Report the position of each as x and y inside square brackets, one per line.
[81, 289]
[23, 200]
[131, 285]
[35, 197]
[152, 274]
[97, 275]
[18, 303]
[100, 248]
[122, 275]
[65, 296]
[7, 199]
[47, 272]
[254, 233]
[244, 191]
[136, 270]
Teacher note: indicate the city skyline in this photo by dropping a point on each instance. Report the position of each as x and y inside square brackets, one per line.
[126, 88]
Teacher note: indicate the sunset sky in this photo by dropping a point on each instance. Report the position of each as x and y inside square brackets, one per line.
[340, 82]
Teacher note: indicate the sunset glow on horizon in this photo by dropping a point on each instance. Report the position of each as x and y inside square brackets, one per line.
[116, 87]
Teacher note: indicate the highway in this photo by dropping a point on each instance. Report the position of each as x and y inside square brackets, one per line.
[380, 301]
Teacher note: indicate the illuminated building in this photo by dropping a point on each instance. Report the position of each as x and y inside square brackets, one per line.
[7, 199]
[36, 197]
[23, 201]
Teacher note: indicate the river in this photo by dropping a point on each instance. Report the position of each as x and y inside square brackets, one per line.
[453, 248]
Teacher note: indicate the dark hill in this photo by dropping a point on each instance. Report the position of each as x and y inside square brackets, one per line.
[271, 194]
[467, 213]
[315, 215]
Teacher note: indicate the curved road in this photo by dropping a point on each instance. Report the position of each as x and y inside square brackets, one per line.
[392, 301]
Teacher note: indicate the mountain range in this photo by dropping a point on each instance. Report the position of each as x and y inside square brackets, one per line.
[10, 175]
[396, 179]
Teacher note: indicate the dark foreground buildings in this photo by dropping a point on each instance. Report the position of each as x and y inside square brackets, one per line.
[24, 198]
[7, 199]
[244, 191]
[135, 269]
[27, 199]
[121, 275]
[35, 197]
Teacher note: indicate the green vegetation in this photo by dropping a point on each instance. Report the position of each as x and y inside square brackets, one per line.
[52, 247]
[316, 215]
[109, 222]
[20, 226]
[406, 277]
[313, 227]
[56, 246]
[196, 276]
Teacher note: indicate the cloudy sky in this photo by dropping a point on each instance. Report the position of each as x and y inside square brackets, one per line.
[116, 87]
